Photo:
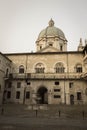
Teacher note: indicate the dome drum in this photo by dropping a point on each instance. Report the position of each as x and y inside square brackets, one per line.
[51, 33]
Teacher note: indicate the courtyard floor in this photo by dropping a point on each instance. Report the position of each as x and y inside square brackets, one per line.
[57, 117]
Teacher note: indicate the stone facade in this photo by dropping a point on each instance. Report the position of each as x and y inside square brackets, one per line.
[5, 69]
[59, 86]
[51, 75]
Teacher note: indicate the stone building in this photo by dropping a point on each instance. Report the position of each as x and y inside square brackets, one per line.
[51, 75]
[5, 69]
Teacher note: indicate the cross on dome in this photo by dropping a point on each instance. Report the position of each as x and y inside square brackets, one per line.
[51, 23]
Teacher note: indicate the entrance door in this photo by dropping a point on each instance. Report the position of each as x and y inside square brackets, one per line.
[42, 95]
[71, 99]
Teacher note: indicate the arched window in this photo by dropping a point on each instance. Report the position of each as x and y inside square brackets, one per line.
[78, 68]
[21, 69]
[59, 68]
[61, 47]
[39, 68]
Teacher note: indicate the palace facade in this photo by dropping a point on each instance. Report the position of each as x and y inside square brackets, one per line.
[51, 75]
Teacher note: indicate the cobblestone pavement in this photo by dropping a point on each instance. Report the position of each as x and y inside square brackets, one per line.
[37, 123]
[19, 117]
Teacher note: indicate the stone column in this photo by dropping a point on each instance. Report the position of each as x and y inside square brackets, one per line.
[49, 97]
[67, 98]
[34, 96]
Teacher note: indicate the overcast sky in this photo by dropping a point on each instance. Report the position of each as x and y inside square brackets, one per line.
[22, 20]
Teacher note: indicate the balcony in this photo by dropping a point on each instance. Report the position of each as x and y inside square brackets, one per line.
[84, 75]
[45, 76]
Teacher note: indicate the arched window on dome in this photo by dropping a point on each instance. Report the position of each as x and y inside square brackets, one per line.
[61, 47]
[21, 69]
[50, 43]
[40, 47]
[39, 68]
[59, 68]
[78, 68]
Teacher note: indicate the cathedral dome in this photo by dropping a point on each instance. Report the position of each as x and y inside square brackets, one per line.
[51, 39]
[51, 30]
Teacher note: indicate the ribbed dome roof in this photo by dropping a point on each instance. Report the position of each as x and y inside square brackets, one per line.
[51, 30]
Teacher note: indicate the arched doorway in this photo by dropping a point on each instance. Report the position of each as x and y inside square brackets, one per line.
[42, 95]
[71, 99]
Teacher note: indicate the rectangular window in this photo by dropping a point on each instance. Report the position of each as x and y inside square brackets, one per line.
[27, 95]
[56, 90]
[57, 96]
[18, 84]
[71, 85]
[50, 44]
[8, 94]
[18, 95]
[28, 83]
[56, 83]
[9, 84]
[79, 96]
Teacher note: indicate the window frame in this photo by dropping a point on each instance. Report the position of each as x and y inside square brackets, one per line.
[21, 69]
[78, 68]
[8, 94]
[17, 94]
[71, 84]
[27, 96]
[57, 89]
[9, 84]
[57, 82]
[18, 84]
[59, 68]
[57, 96]
[39, 68]
[79, 96]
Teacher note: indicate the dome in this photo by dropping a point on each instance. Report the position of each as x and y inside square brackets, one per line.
[51, 30]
